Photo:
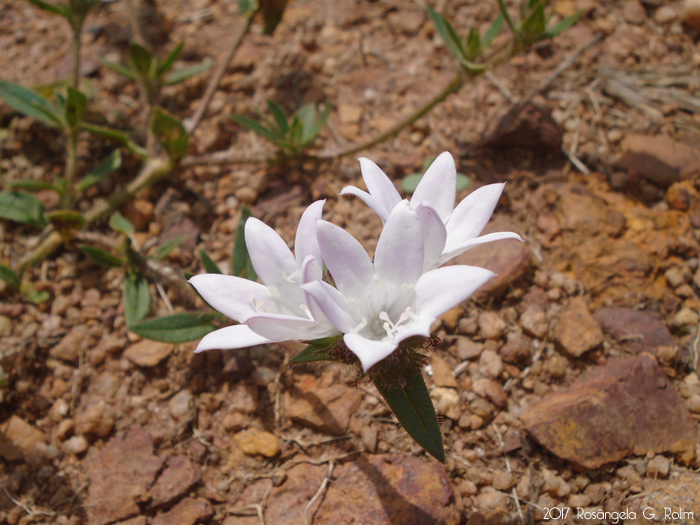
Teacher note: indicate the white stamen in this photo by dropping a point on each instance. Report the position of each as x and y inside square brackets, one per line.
[389, 331]
[273, 291]
[259, 304]
[360, 326]
[287, 278]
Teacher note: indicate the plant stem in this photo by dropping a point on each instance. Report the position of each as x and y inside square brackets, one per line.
[75, 72]
[68, 198]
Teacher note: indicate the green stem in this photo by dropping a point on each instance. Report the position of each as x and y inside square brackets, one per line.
[68, 198]
[75, 73]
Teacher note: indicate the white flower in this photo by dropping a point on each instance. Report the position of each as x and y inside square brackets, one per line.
[378, 305]
[277, 310]
[453, 230]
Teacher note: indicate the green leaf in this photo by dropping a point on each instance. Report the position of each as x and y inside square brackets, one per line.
[117, 135]
[29, 103]
[256, 127]
[414, 410]
[61, 9]
[66, 219]
[31, 185]
[22, 207]
[534, 25]
[279, 115]
[170, 132]
[447, 33]
[122, 70]
[272, 11]
[247, 8]
[177, 328]
[473, 49]
[166, 248]
[492, 32]
[8, 275]
[101, 256]
[137, 298]
[318, 350]
[311, 126]
[76, 104]
[111, 163]
[562, 26]
[506, 17]
[182, 74]
[169, 61]
[141, 60]
[463, 182]
[410, 182]
[209, 265]
[242, 265]
[121, 224]
[32, 294]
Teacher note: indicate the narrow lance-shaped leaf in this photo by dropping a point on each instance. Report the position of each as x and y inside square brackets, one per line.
[318, 350]
[169, 61]
[8, 275]
[182, 74]
[242, 265]
[166, 248]
[177, 328]
[562, 26]
[272, 11]
[141, 59]
[507, 18]
[447, 33]
[137, 298]
[247, 8]
[117, 135]
[121, 224]
[75, 107]
[170, 133]
[279, 115]
[31, 185]
[66, 219]
[29, 103]
[61, 9]
[414, 409]
[256, 127]
[111, 163]
[22, 207]
[122, 70]
[209, 265]
[533, 26]
[101, 256]
[492, 32]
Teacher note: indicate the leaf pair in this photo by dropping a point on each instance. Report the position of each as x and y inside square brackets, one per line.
[293, 134]
[534, 21]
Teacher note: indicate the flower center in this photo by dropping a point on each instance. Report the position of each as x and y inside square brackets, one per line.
[393, 329]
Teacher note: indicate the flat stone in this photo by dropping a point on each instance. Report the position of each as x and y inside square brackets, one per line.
[660, 159]
[575, 329]
[508, 259]
[468, 349]
[121, 473]
[17, 438]
[491, 389]
[625, 407]
[442, 373]
[633, 12]
[72, 344]
[148, 353]
[323, 408]
[175, 482]
[188, 512]
[256, 442]
[578, 210]
[636, 330]
[181, 404]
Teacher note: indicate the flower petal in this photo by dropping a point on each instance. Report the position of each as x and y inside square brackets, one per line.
[271, 257]
[421, 327]
[438, 186]
[347, 260]
[399, 255]
[234, 297]
[434, 235]
[473, 213]
[288, 328]
[375, 205]
[379, 185]
[318, 297]
[305, 243]
[453, 250]
[368, 352]
[231, 337]
[439, 290]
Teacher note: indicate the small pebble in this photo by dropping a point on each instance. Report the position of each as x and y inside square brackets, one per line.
[491, 325]
[658, 467]
[76, 445]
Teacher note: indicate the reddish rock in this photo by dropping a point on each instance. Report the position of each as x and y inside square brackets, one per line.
[626, 407]
[659, 159]
[575, 329]
[526, 126]
[72, 344]
[324, 408]
[517, 350]
[188, 512]
[584, 213]
[175, 482]
[148, 353]
[119, 475]
[509, 259]
[442, 373]
[638, 331]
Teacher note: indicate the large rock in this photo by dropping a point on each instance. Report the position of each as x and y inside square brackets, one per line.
[636, 330]
[659, 159]
[508, 259]
[575, 329]
[120, 475]
[625, 407]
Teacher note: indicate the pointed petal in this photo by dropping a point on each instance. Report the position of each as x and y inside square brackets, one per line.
[319, 298]
[270, 255]
[434, 235]
[305, 243]
[452, 251]
[234, 297]
[439, 290]
[347, 260]
[473, 213]
[399, 255]
[438, 186]
[379, 185]
[375, 205]
[231, 337]
[367, 351]
[288, 328]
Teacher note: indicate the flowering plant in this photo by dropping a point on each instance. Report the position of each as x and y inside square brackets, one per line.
[373, 314]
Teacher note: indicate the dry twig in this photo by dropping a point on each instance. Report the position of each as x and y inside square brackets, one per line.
[319, 493]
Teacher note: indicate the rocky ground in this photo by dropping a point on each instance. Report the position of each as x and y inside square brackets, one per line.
[570, 380]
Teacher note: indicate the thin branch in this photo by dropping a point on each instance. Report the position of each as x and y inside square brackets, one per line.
[224, 61]
[319, 493]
